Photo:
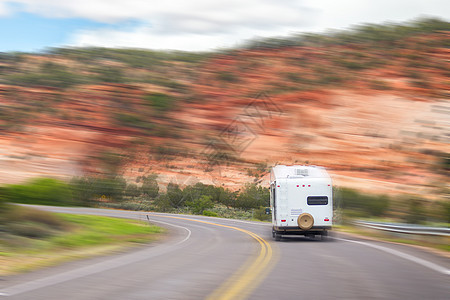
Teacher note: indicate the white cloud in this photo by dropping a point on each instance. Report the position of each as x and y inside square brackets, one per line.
[229, 11]
[206, 24]
[344, 13]
[4, 9]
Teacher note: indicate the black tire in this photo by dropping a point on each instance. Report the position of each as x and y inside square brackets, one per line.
[277, 236]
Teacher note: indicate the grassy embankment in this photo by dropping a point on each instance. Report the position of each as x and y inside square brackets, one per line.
[31, 239]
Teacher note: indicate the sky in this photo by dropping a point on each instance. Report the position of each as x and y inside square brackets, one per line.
[192, 25]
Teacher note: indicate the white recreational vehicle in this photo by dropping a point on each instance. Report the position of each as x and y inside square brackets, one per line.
[301, 201]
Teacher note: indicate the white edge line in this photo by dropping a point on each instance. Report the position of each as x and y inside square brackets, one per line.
[182, 241]
[85, 271]
[403, 255]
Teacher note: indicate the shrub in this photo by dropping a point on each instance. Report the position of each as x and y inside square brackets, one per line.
[3, 191]
[377, 205]
[163, 203]
[53, 75]
[132, 190]
[160, 102]
[150, 186]
[226, 197]
[110, 74]
[175, 195]
[416, 213]
[227, 77]
[260, 214]
[358, 204]
[30, 229]
[111, 187]
[199, 205]
[87, 190]
[446, 211]
[253, 196]
[444, 162]
[44, 191]
[210, 213]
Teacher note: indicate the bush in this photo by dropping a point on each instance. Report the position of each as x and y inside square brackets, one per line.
[260, 214]
[444, 162]
[175, 195]
[416, 211]
[160, 102]
[111, 187]
[150, 186]
[446, 211]
[53, 75]
[252, 196]
[210, 213]
[30, 222]
[163, 203]
[44, 191]
[227, 77]
[132, 190]
[226, 197]
[30, 229]
[110, 74]
[377, 205]
[199, 205]
[2, 198]
[358, 204]
[88, 190]
[83, 190]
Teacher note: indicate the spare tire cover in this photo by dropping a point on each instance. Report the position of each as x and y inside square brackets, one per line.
[305, 221]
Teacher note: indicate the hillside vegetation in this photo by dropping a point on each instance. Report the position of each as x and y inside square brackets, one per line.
[367, 103]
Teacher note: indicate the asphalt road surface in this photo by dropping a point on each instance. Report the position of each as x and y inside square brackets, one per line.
[212, 258]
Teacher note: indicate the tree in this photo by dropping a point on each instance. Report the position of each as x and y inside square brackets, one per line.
[175, 195]
[132, 190]
[253, 196]
[200, 204]
[150, 186]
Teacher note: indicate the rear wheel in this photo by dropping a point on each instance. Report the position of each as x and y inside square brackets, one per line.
[277, 236]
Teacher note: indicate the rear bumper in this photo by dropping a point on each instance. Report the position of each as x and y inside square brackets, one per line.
[297, 230]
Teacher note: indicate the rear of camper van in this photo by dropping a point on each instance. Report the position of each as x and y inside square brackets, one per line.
[301, 201]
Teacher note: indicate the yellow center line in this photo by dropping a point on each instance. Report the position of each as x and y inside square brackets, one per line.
[247, 277]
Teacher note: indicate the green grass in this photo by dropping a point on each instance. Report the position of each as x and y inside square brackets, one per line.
[32, 239]
[94, 230]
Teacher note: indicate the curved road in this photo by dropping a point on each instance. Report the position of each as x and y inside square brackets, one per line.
[212, 258]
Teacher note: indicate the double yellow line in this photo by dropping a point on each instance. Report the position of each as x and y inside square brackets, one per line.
[249, 276]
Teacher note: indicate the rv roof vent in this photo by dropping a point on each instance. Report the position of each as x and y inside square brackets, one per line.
[301, 172]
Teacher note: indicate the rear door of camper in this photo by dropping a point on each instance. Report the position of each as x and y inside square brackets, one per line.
[281, 202]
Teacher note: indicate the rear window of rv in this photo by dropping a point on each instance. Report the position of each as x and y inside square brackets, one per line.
[317, 200]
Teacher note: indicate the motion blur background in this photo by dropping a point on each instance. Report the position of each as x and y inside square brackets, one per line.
[183, 106]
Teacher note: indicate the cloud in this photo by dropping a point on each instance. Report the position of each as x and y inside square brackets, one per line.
[5, 10]
[206, 24]
[176, 24]
[257, 12]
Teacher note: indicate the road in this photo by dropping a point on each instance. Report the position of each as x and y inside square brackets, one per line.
[212, 258]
